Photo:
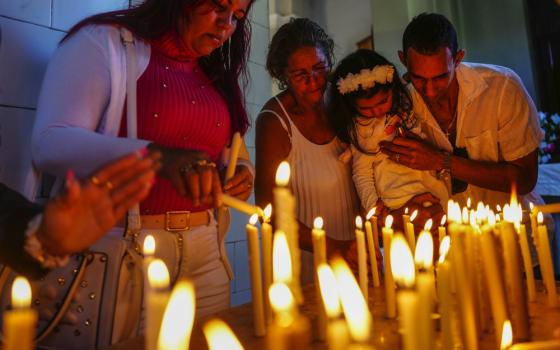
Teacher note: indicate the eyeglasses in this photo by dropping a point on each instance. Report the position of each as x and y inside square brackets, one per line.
[305, 77]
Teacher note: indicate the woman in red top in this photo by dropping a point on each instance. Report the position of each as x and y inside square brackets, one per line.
[190, 55]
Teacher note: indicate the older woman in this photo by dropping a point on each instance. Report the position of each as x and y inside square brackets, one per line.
[189, 55]
[293, 126]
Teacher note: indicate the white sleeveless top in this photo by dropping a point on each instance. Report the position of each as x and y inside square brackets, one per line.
[322, 184]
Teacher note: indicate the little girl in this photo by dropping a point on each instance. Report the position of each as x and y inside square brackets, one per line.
[369, 104]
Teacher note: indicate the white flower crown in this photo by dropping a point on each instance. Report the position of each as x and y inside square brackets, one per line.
[366, 79]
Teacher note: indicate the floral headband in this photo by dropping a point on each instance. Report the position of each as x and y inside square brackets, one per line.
[366, 79]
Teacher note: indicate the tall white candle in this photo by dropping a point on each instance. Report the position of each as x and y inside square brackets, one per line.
[267, 257]
[547, 268]
[157, 297]
[425, 285]
[362, 258]
[20, 322]
[444, 293]
[402, 265]
[319, 258]
[371, 239]
[256, 279]
[409, 229]
[387, 232]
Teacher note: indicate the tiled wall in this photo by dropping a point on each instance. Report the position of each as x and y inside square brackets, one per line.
[31, 30]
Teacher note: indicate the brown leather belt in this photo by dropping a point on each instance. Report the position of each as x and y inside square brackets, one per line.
[176, 220]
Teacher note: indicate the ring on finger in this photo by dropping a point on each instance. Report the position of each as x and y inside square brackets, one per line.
[109, 185]
[95, 180]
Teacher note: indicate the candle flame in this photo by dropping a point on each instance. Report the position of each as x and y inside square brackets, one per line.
[513, 198]
[443, 220]
[21, 293]
[267, 212]
[453, 212]
[428, 225]
[507, 335]
[388, 221]
[406, 211]
[283, 174]
[219, 336]
[531, 206]
[444, 248]
[402, 263]
[469, 202]
[480, 206]
[498, 208]
[158, 275]
[149, 246]
[413, 216]
[282, 302]
[254, 219]
[318, 223]
[359, 222]
[540, 218]
[465, 215]
[329, 291]
[354, 305]
[178, 318]
[424, 253]
[371, 213]
[281, 258]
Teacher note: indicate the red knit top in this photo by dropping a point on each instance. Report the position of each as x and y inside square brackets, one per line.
[178, 107]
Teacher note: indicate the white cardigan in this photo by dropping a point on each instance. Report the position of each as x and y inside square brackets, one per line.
[81, 105]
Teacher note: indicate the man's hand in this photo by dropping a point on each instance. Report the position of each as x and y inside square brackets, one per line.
[83, 213]
[413, 153]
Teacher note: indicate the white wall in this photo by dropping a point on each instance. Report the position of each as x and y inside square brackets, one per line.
[31, 30]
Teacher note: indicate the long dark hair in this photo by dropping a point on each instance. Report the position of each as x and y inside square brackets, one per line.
[341, 109]
[225, 66]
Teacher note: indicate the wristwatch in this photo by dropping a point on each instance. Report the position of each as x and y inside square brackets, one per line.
[445, 172]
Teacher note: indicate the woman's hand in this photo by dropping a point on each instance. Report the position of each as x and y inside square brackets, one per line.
[241, 184]
[191, 173]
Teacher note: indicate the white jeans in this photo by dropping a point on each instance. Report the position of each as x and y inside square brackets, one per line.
[199, 261]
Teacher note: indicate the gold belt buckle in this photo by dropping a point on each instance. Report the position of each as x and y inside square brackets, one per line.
[168, 216]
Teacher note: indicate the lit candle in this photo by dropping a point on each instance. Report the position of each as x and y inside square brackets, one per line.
[371, 240]
[319, 257]
[178, 318]
[281, 259]
[441, 229]
[493, 275]
[256, 281]
[409, 229]
[285, 216]
[547, 268]
[354, 305]
[444, 293]
[460, 274]
[515, 288]
[402, 266]
[387, 233]
[405, 218]
[362, 258]
[507, 336]
[267, 257]
[289, 330]
[337, 331]
[425, 285]
[219, 336]
[157, 297]
[20, 322]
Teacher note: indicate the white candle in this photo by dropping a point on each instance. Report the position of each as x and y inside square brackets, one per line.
[547, 268]
[405, 218]
[285, 216]
[234, 154]
[240, 205]
[441, 229]
[219, 336]
[425, 285]
[409, 229]
[178, 318]
[20, 322]
[354, 305]
[267, 257]
[371, 239]
[389, 283]
[362, 258]
[319, 258]
[527, 263]
[402, 266]
[256, 280]
[337, 331]
[515, 288]
[444, 293]
[157, 297]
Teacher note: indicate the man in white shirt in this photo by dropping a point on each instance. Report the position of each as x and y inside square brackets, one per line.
[482, 120]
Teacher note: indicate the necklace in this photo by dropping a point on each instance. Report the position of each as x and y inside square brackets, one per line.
[447, 133]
